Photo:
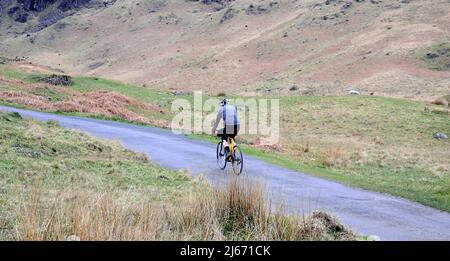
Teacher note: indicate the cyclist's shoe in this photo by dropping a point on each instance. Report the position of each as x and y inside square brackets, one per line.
[229, 157]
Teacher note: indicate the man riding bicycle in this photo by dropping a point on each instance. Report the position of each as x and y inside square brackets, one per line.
[229, 115]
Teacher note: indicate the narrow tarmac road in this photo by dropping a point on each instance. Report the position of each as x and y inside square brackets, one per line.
[370, 213]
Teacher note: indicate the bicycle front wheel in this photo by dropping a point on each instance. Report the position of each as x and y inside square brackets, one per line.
[221, 156]
[238, 160]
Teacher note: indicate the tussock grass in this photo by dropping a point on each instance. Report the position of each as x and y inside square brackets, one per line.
[335, 157]
[238, 212]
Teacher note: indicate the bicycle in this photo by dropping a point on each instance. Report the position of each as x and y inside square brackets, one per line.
[235, 157]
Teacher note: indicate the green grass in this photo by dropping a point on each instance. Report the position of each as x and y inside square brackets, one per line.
[387, 144]
[58, 157]
[62, 160]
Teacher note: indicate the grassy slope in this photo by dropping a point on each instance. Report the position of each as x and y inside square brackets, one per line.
[56, 183]
[62, 160]
[377, 143]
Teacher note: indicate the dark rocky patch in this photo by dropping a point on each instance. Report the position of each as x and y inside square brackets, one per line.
[293, 88]
[18, 14]
[47, 11]
[260, 9]
[95, 65]
[26, 150]
[35, 5]
[438, 58]
[432, 55]
[347, 6]
[56, 79]
[229, 13]
[440, 136]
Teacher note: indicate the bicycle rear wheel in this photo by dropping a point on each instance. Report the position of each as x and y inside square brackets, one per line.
[238, 160]
[221, 156]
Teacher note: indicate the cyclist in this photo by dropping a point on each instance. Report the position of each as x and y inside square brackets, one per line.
[229, 115]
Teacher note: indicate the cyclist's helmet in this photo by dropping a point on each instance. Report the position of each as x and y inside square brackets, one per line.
[223, 102]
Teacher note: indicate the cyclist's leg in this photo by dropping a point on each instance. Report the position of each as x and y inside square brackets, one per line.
[222, 134]
[234, 134]
[225, 136]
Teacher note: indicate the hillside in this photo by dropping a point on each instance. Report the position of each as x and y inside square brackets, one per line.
[393, 48]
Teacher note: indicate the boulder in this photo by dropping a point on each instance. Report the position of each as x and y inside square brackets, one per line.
[354, 92]
[440, 136]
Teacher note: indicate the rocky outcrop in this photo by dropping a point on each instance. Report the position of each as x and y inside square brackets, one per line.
[52, 10]
[66, 5]
[35, 5]
[18, 14]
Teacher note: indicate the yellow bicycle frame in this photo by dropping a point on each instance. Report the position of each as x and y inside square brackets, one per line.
[232, 145]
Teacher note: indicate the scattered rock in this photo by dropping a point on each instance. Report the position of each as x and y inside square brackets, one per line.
[229, 13]
[432, 55]
[354, 92]
[171, 18]
[346, 6]
[55, 79]
[177, 93]
[440, 136]
[293, 88]
[260, 9]
[163, 177]
[27, 151]
[95, 65]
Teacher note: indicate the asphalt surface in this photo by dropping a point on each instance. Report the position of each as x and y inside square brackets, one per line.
[370, 213]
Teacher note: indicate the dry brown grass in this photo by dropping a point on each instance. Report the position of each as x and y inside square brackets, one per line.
[238, 212]
[108, 104]
[335, 157]
[25, 99]
[103, 103]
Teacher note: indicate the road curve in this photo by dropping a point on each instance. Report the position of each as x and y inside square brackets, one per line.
[370, 213]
